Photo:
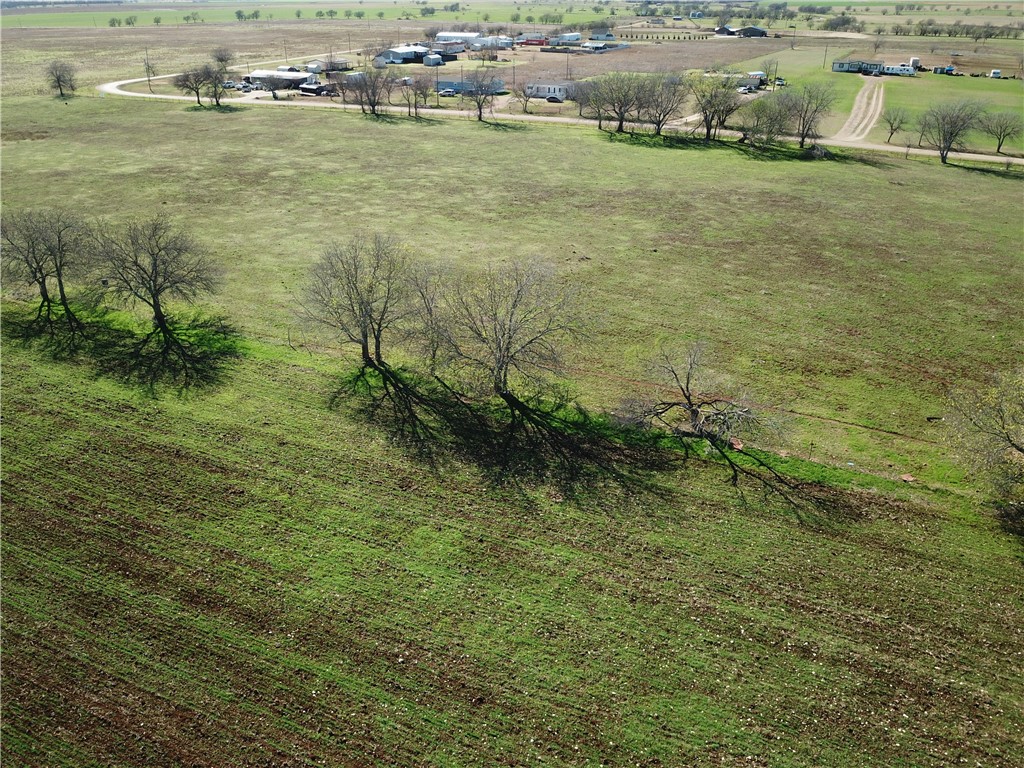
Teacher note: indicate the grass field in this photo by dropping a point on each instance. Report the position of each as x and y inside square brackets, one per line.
[678, 270]
[248, 576]
[255, 573]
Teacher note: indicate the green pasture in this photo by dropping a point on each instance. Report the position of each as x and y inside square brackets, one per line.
[855, 312]
[247, 572]
[175, 14]
[264, 572]
[919, 93]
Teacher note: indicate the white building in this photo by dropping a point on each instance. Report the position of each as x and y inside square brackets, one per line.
[464, 37]
[542, 90]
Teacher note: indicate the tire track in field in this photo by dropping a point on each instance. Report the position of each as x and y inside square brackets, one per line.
[867, 108]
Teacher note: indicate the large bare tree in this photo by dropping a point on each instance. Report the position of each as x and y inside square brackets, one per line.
[61, 75]
[193, 81]
[214, 88]
[150, 262]
[222, 57]
[810, 104]
[479, 87]
[620, 94]
[716, 101]
[511, 328]
[422, 86]
[43, 246]
[1002, 126]
[945, 125]
[765, 119]
[697, 408]
[662, 100]
[522, 93]
[372, 89]
[895, 119]
[360, 289]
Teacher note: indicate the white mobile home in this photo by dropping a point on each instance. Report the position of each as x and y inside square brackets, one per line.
[544, 90]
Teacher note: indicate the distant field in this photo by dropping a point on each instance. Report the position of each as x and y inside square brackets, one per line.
[277, 12]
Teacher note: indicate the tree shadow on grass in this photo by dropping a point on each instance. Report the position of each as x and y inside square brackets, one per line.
[511, 441]
[196, 353]
[1011, 171]
[1011, 520]
[773, 153]
[506, 127]
[385, 118]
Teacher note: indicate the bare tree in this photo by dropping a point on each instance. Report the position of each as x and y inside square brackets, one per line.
[24, 259]
[150, 262]
[44, 245]
[222, 57]
[764, 120]
[511, 328]
[662, 100]
[580, 92]
[409, 96]
[810, 104]
[1002, 126]
[360, 290]
[896, 118]
[986, 428]
[479, 87]
[619, 94]
[193, 81]
[62, 76]
[716, 101]
[214, 87]
[422, 86]
[945, 125]
[373, 88]
[696, 410]
[522, 93]
[150, 70]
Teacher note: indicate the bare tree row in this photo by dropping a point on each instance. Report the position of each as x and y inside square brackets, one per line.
[945, 126]
[493, 333]
[146, 262]
[504, 333]
[794, 111]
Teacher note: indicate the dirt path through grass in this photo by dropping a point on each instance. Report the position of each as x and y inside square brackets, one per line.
[867, 108]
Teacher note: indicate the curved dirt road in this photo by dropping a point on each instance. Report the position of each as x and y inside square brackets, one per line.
[867, 108]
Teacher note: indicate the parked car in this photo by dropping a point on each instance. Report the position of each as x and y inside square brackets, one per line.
[780, 81]
[744, 89]
[228, 84]
[447, 92]
[555, 99]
